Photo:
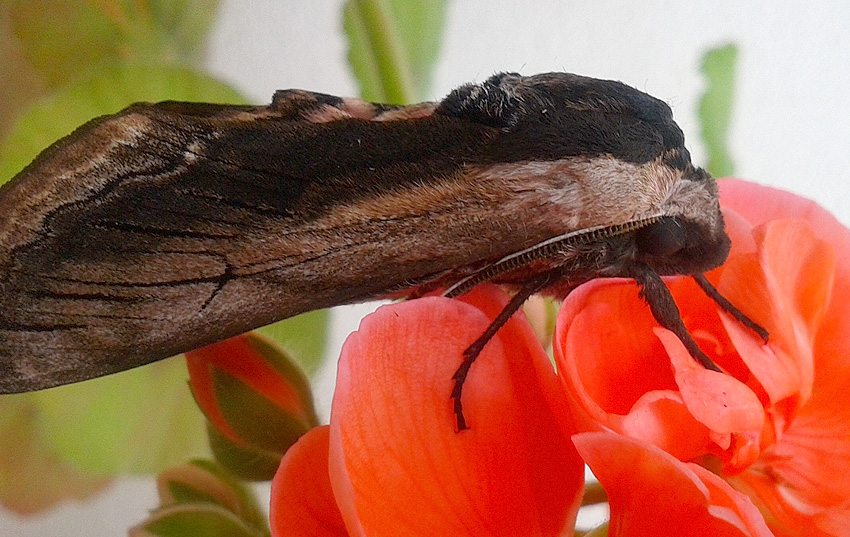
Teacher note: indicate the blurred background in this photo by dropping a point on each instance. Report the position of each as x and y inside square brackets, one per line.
[790, 122]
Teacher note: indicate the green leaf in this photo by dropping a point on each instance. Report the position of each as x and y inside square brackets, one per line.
[715, 108]
[393, 45]
[278, 358]
[67, 39]
[195, 520]
[181, 25]
[249, 463]
[47, 44]
[201, 498]
[113, 89]
[204, 482]
[303, 337]
[138, 421]
[254, 418]
[182, 493]
[63, 38]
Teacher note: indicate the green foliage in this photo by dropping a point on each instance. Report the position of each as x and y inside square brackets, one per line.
[254, 418]
[393, 45]
[303, 337]
[715, 108]
[201, 499]
[46, 45]
[112, 89]
[195, 521]
[139, 421]
[249, 463]
[68, 39]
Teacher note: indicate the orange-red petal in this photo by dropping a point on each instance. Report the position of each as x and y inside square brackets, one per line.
[302, 502]
[787, 286]
[397, 464]
[796, 480]
[617, 374]
[789, 269]
[653, 494]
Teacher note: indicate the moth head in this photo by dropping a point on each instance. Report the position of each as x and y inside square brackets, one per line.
[594, 123]
[690, 237]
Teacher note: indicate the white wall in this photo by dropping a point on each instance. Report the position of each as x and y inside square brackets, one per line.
[791, 126]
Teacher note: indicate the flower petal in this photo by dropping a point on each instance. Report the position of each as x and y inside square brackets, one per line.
[302, 502]
[616, 372]
[652, 493]
[718, 400]
[398, 466]
[727, 407]
[761, 204]
[786, 286]
[795, 481]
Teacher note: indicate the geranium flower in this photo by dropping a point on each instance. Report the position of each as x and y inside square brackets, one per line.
[777, 426]
[391, 461]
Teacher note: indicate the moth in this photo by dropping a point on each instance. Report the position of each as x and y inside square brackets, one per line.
[170, 226]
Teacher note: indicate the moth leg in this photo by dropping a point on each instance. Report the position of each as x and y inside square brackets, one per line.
[728, 307]
[665, 311]
[473, 351]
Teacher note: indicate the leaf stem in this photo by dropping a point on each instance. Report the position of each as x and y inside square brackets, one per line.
[393, 68]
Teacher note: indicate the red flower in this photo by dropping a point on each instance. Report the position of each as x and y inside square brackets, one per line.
[777, 427]
[391, 461]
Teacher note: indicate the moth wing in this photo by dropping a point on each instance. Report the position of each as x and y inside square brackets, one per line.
[120, 246]
[168, 227]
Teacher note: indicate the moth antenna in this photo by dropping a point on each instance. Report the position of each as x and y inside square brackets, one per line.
[473, 351]
[544, 250]
[665, 311]
[728, 307]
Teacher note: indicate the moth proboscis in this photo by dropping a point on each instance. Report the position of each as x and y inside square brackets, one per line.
[170, 226]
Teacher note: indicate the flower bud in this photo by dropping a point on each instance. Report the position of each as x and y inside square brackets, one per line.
[201, 498]
[257, 402]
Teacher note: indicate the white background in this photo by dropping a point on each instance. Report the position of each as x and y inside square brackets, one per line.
[791, 126]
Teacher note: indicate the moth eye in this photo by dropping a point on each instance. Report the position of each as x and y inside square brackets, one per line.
[661, 239]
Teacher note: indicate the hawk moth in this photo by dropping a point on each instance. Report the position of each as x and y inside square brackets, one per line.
[170, 226]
